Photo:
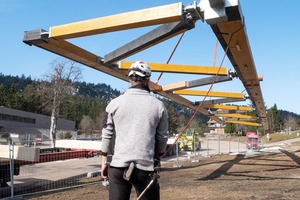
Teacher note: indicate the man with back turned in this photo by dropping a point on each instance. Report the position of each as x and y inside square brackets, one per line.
[136, 127]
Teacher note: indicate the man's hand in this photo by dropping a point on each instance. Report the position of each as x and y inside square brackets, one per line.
[104, 168]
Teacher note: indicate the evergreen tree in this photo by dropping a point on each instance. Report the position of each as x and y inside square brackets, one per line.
[173, 120]
[3, 96]
[275, 121]
[230, 128]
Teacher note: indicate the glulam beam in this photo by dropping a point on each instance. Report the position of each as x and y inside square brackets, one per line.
[177, 68]
[210, 93]
[135, 19]
[227, 107]
[196, 83]
[233, 115]
[243, 123]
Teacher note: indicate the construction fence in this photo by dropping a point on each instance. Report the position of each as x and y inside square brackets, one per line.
[36, 168]
[33, 169]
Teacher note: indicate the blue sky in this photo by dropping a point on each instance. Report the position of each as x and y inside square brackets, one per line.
[271, 28]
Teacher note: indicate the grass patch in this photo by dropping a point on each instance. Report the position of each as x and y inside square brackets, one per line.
[296, 143]
[277, 137]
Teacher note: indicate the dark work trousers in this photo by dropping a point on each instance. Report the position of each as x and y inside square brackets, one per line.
[119, 188]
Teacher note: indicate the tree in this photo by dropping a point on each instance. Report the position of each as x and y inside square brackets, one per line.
[173, 120]
[59, 83]
[3, 95]
[230, 128]
[290, 123]
[275, 121]
[86, 124]
[198, 125]
[66, 135]
[31, 99]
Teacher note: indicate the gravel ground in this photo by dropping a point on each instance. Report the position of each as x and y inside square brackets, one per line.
[273, 173]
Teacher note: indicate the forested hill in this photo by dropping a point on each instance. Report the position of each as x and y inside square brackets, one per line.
[85, 106]
[89, 100]
[16, 82]
[98, 91]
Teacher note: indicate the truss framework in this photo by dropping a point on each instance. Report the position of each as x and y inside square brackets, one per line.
[225, 19]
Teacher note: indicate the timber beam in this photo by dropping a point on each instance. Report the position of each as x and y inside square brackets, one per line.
[184, 69]
[238, 116]
[210, 93]
[226, 21]
[227, 107]
[243, 123]
[196, 83]
[219, 101]
[135, 19]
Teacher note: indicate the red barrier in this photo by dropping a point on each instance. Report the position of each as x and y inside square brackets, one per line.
[50, 157]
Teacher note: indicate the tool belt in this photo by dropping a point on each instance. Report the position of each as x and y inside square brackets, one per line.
[128, 172]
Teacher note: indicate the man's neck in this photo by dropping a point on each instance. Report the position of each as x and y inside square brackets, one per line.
[140, 86]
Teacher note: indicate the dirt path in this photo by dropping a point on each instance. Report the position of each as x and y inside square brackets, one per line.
[273, 174]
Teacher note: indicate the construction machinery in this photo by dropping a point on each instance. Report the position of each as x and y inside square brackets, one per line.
[190, 140]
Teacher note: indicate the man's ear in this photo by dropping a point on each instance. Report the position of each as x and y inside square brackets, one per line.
[130, 81]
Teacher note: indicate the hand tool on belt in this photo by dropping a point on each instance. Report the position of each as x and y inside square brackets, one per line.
[154, 176]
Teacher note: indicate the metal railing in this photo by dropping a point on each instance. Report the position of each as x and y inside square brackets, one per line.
[55, 169]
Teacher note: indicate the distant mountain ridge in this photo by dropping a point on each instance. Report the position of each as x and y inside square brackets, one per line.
[90, 99]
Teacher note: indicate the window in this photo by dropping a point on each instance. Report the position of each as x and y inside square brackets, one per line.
[17, 118]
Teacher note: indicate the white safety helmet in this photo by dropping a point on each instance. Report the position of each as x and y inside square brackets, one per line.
[139, 68]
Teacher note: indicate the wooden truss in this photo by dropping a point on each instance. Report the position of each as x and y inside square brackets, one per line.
[225, 19]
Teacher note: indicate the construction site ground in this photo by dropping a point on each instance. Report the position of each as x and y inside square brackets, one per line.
[272, 173]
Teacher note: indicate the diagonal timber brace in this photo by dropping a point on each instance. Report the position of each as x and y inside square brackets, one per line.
[77, 54]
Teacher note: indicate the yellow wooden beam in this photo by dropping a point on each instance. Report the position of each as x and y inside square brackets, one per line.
[210, 94]
[176, 68]
[243, 122]
[174, 86]
[227, 107]
[235, 115]
[135, 19]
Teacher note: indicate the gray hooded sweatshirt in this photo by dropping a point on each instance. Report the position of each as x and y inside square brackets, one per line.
[140, 124]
